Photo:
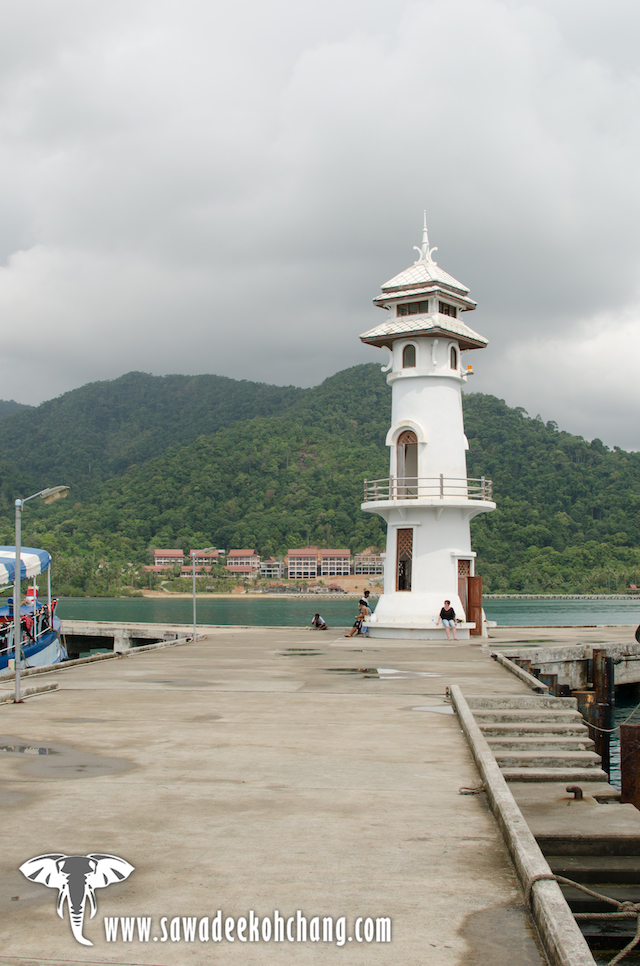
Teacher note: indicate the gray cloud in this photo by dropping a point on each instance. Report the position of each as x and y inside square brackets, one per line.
[200, 187]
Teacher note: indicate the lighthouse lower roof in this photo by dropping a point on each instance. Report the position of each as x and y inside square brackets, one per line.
[431, 325]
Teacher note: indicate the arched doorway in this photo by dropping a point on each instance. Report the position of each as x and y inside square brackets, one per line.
[407, 464]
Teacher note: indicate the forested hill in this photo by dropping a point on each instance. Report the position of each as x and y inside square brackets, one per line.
[9, 406]
[199, 461]
[101, 429]
[104, 428]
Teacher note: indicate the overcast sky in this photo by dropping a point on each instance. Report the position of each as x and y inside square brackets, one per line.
[200, 186]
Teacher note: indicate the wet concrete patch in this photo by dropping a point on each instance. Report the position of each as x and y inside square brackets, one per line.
[502, 936]
[27, 750]
[174, 682]
[382, 673]
[207, 717]
[392, 672]
[9, 798]
[55, 760]
[84, 720]
[436, 708]
[300, 652]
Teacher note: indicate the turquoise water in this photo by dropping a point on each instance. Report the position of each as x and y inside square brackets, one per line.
[627, 700]
[560, 612]
[291, 612]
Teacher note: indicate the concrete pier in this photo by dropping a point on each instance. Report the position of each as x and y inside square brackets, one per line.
[564, 651]
[84, 635]
[262, 770]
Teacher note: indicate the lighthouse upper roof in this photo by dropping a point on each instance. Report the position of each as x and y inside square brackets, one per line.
[439, 299]
[424, 272]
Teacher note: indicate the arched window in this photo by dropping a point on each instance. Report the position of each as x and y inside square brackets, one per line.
[409, 357]
[407, 464]
[453, 357]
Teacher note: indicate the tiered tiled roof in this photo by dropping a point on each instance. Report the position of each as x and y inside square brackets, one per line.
[422, 279]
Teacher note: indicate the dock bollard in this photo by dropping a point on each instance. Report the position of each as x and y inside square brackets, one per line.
[603, 682]
[551, 680]
[598, 719]
[630, 763]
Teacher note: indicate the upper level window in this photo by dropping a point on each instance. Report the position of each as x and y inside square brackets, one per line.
[453, 357]
[409, 357]
[445, 309]
[413, 308]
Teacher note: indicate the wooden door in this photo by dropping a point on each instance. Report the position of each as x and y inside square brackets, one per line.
[474, 590]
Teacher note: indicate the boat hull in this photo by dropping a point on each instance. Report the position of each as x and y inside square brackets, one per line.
[48, 649]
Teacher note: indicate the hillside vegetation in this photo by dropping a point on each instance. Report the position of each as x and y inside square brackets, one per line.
[182, 461]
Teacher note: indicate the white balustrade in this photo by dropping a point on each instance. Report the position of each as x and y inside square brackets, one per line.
[420, 488]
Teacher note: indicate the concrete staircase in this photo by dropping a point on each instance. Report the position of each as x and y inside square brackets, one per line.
[538, 739]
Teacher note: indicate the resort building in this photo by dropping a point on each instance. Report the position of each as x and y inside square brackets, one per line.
[168, 558]
[303, 564]
[368, 564]
[271, 569]
[245, 563]
[206, 560]
[335, 563]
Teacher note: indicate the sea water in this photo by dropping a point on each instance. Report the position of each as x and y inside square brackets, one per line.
[291, 611]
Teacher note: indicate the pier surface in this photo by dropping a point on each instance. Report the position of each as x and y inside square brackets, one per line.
[262, 769]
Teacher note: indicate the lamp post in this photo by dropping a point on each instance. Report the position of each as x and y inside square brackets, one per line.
[48, 495]
[194, 554]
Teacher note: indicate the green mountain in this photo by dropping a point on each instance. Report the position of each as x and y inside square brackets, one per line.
[100, 430]
[199, 461]
[9, 406]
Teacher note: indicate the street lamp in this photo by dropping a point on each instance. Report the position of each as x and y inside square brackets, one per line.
[194, 554]
[48, 495]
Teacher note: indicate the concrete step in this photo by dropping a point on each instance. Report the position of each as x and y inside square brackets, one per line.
[531, 729]
[539, 743]
[529, 796]
[618, 843]
[557, 774]
[521, 702]
[548, 716]
[589, 869]
[547, 759]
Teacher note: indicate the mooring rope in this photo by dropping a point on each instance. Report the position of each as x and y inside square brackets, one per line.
[626, 909]
[472, 789]
[610, 731]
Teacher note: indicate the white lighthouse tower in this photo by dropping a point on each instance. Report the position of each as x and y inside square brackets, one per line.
[427, 500]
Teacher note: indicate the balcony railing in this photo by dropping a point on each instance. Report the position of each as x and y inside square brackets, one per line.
[418, 488]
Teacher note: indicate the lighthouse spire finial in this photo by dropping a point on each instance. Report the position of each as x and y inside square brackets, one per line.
[425, 251]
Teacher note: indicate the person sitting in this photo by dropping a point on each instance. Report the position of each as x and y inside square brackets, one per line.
[363, 613]
[318, 623]
[448, 618]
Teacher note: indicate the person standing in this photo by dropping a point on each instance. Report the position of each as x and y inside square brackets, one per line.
[448, 618]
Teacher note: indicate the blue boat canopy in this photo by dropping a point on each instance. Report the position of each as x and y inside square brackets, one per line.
[32, 563]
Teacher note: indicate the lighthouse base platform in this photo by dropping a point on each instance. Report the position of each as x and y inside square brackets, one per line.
[405, 630]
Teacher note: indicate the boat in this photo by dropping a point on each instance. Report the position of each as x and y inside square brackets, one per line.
[40, 629]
